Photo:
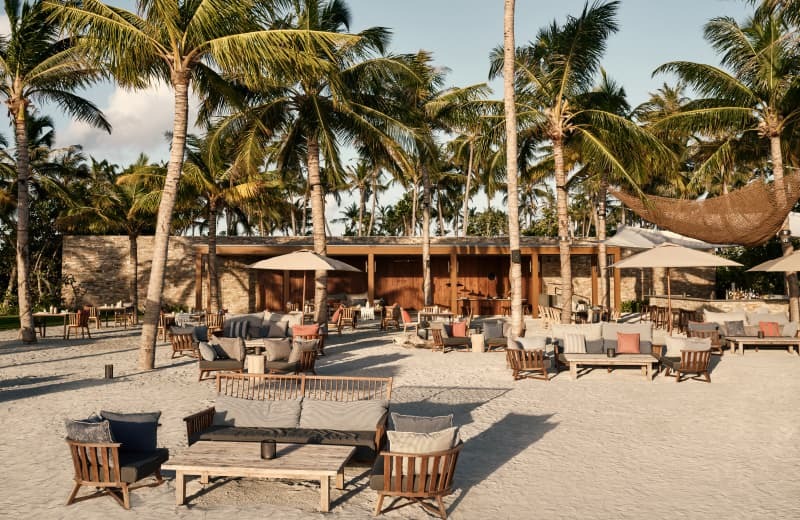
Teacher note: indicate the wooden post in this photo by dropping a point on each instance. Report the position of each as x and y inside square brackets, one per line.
[593, 268]
[617, 281]
[287, 285]
[371, 278]
[198, 281]
[535, 285]
[454, 282]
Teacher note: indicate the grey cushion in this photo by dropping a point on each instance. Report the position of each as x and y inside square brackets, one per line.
[200, 333]
[234, 348]
[789, 329]
[93, 429]
[278, 329]
[221, 364]
[182, 330]
[610, 331]
[277, 349]
[421, 424]
[733, 328]
[283, 367]
[207, 352]
[493, 329]
[238, 328]
[532, 342]
[136, 431]
[299, 346]
[219, 352]
[592, 332]
[135, 466]
[234, 411]
[703, 326]
[349, 416]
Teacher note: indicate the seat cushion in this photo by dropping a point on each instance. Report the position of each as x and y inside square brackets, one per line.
[456, 341]
[645, 331]
[345, 416]
[285, 367]
[221, 364]
[136, 465]
[234, 411]
[672, 362]
[592, 332]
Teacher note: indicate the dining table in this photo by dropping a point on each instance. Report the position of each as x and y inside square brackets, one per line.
[42, 321]
[105, 310]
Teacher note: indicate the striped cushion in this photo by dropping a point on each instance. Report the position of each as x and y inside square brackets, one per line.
[346, 416]
[574, 344]
[239, 329]
[233, 411]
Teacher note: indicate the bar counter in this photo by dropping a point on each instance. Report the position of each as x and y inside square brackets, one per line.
[692, 304]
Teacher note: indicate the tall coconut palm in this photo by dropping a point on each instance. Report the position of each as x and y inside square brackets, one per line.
[186, 44]
[755, 91]
[38, 65]
[312, 111]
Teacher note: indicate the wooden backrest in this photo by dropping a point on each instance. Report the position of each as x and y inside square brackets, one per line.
[437, 337]
[291, 307]
[214, 319]
[713, 334]
[435, 476]
[95, 463]
[92, 311]
[348, 313]
[272, 387]
[525, 359]
[307, 360]
[695, 360]
[181, 341]
[83, 318]
[74, 319]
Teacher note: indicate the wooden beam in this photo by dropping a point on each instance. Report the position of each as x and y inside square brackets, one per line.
[198, 281]
[453, 282]
[287, 285]
[595, 289]
[617, 280]
[371, 278]
[535, 285]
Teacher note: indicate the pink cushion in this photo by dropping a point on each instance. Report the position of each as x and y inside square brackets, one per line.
[335, 317]
[305, 330]
[460, 329]
[770, 329]
[406, 316]
[627, 343]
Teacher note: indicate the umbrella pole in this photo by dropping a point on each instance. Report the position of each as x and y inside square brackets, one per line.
[669, 304]
[303, 298]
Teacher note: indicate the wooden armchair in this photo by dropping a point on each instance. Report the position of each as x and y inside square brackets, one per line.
[453, 343]
[407, 321]
[182, 344]
[392, 477]
[694, 331]
[164, 323]
[690, 362]
[111, 471]
[94, 315]
[349, 317]
[214, 321]
[121, 317]
[528, 364]
[390, 317]
[79, 321]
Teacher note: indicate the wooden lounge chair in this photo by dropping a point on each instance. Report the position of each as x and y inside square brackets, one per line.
[164, 323]
[702, 330]
[349, 317]
[214, 321]
[79, 321]
[390, 317]
[392, 477]
[121, 317]
[104, 467]
[335, 321]
[440, 342]
[690, 362]
[407, 321]
[531, 364]
[182, 344]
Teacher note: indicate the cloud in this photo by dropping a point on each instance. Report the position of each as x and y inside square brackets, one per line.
[139, 121]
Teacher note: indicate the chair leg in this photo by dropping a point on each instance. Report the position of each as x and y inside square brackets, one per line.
[440, 505]
[708, 376]
[71, 497]
[126, 497]
[379, 505]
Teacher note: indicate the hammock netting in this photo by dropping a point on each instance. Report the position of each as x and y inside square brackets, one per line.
[748, 216]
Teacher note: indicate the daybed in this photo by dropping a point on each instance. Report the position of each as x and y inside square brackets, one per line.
[300, 409]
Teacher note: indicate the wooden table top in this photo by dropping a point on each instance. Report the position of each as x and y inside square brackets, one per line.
[771, 340]
[291, 460]
[619, 359]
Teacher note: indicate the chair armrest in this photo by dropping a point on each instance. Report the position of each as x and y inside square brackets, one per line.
[380, 431]
[657, 350]
[198, 422]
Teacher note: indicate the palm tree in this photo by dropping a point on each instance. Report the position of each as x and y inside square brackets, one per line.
[311, 111]
[185, 43]
[754, 92]
[359, 177]
[38, 65]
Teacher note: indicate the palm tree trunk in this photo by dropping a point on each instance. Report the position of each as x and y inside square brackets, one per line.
[510, 108]
[427, 289]
[12, 282]
[155, 287]
[213, 268]
[318, 226]
[467, 187]
[133, 262]
[563, 231]
[27, 332]
[362, 206]
[374, 200]
[786, 247]
[304, 223]
[602, 255]
[414, 197]
[440, 216]
[293, 220]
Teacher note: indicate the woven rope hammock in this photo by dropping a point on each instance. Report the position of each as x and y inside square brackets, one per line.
[748, 216]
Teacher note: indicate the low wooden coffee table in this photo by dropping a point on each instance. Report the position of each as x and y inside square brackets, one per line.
[740, 341]
[243, 459]
[645, 361]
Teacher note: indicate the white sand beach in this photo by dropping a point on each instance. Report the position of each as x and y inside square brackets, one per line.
[604, 446]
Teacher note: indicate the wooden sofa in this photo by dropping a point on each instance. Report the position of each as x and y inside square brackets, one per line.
[305, 389]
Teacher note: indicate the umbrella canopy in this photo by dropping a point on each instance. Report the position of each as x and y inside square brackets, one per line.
[672, 255]
[784, 264]
[631, 237]
[303, 260]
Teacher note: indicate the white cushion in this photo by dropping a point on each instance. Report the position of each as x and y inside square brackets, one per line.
[698, 344]
[789, 329]
[532, 342]
[721, 317]
[421, 443]
[234, 411]
[673, 346]
[206, 352]
[346, 416]
[753, 318]
[574, 344]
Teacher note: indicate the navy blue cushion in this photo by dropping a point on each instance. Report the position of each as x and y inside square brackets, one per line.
[200, 333]
[136, 431]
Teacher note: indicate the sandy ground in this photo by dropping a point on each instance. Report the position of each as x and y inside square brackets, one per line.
[604, 446]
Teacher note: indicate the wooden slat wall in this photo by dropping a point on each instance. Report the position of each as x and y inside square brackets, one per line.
[398, 279]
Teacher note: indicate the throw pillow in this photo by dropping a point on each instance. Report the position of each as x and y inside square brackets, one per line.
[219, 352]
[733, 328]
[277, 349]
[239, 329]
[336, 315]
[277, 329]
[406, 316]
[349, 416]
[673, 346]
[136, 431]
[697, 344]
[207, 352]
[421, 424]
[421, 443]
[299, 346]
[200, 333]
[770, 329]
[627, 343]
[234, 411]
[493, 329]
[789, 330]
[233, 348]
[574, 344]
[305, 330]
[460, 329]
[93, 429]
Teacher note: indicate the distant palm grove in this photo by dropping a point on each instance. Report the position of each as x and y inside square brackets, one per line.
[296, 110]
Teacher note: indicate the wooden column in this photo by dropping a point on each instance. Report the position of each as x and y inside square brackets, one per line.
[371, 278]
[198, 281]
[595, 284]
[453, 282]
[287, 285]
[535, 285]
[617, 281]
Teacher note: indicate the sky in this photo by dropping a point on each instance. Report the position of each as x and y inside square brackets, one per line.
[460, 34]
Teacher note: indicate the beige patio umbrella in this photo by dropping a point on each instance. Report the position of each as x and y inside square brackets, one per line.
[672, 255]
[303, 260]
[784, 264]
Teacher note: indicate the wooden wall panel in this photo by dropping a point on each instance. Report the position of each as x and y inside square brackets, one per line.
[270, 285]
[399, 279]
